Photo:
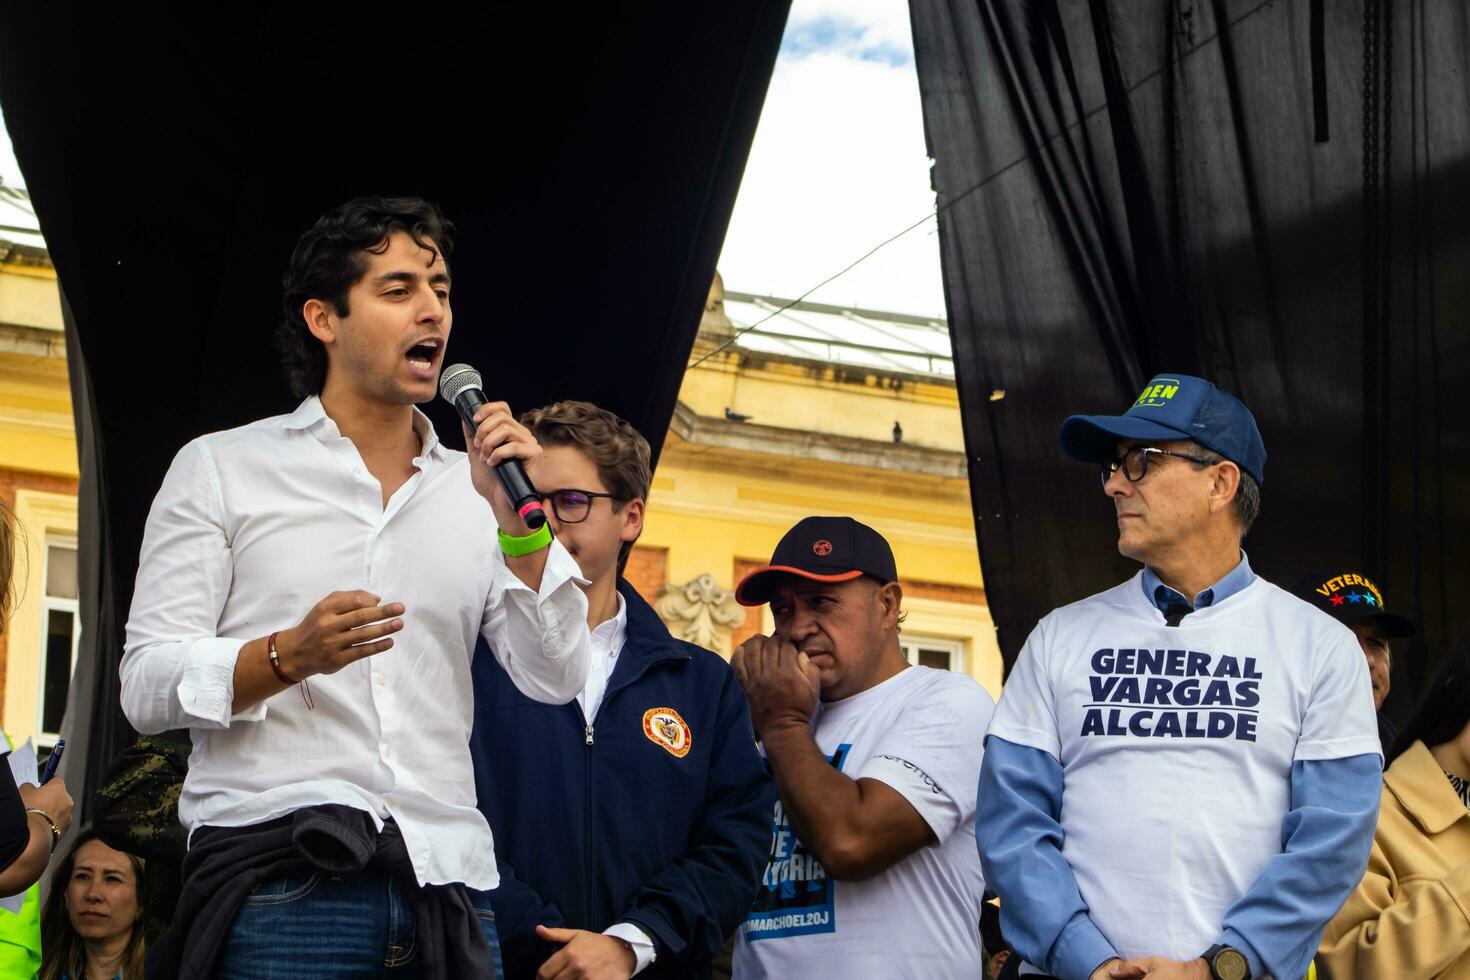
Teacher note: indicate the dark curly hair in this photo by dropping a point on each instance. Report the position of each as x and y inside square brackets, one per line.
[330, 259]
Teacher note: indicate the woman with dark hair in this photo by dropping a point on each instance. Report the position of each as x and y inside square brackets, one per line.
[1407, 918]
[90, 928]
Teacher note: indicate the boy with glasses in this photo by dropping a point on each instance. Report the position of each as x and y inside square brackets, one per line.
[1212, 735]
[631, 824]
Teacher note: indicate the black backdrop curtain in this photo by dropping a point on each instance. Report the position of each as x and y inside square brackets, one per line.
[589, 157]
[1272, 195]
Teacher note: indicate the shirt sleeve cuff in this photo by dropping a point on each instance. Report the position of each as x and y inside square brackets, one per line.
[1031, 738]
[1235, 940]
[1339, 748]
[1080, 949]
[560, 569]
[207, 688]
[642, 946]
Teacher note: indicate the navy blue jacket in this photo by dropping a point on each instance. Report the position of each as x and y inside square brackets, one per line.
[596, 824]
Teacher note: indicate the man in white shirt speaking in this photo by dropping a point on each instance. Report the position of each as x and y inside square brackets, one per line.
[872, 870]
[1182, 778]
[308, 598]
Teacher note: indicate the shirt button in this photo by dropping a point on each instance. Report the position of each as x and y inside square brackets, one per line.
[357, 471]
[384, 749]
[381, 680]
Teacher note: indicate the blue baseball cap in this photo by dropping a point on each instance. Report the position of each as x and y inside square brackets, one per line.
[1172, 406]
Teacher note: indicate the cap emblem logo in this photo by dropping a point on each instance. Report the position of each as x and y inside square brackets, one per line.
[665, 728]
[1339, 583]
[1157, 393]
[822, 548]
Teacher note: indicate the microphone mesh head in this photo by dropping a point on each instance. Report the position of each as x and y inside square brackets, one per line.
[456, 378]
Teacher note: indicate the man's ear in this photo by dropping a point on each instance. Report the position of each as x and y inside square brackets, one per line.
[632, 520]
[321, 320]
[890, 599]
[1224, 486]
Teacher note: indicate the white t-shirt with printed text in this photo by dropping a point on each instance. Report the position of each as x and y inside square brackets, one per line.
[920, 732]
[1176, 745]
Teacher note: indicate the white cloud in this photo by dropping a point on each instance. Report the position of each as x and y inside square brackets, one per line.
[838, 165]
[856, 26]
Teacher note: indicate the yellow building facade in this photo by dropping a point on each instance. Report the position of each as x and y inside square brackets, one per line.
[38, 480]
[771, 426]
[797, 409]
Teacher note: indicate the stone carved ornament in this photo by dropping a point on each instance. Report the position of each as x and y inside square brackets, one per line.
[700, 611]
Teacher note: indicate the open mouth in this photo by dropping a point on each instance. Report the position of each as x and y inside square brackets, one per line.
[424, 355]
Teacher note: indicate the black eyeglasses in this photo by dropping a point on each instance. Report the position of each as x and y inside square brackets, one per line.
[1134, 463]
[573, 506]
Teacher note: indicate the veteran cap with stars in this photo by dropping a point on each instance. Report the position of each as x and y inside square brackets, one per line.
[1351, 598]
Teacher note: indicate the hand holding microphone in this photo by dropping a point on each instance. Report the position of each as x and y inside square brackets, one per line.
[496, 443]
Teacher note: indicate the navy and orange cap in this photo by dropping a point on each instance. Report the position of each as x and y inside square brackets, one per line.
[1351, 598]
[823, 549]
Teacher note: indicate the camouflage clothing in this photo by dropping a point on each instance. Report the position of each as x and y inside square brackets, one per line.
[138, 812]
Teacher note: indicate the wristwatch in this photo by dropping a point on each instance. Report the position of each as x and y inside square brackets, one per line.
[1226, 963]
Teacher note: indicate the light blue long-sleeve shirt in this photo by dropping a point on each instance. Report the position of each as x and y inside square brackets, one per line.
[1276, 924]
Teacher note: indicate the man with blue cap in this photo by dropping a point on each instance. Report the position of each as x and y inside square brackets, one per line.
[1212, 735]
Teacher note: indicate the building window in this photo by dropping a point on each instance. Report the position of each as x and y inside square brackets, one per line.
[61, 625]
[930, 651]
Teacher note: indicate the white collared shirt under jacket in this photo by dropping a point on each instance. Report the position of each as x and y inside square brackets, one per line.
[252, 528]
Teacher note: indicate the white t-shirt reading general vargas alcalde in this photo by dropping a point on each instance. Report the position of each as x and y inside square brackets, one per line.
[920, 732]
[1177, 743]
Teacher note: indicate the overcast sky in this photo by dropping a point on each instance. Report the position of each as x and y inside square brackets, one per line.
[9, 169]
[839, 165]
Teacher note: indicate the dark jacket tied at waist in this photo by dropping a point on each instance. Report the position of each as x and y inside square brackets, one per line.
[225, 864]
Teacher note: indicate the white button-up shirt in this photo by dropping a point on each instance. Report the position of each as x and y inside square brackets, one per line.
[605, 643]
[254, 526]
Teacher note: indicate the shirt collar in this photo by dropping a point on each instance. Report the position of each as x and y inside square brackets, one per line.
[307, 415]
[311, 416]
[431, 446]
[1234, 581]
[1420, 785]
[615, 630]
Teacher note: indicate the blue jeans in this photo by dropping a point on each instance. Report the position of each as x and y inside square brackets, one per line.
[320, 925]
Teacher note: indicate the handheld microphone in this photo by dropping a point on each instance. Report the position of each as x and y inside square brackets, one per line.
[459, 385]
